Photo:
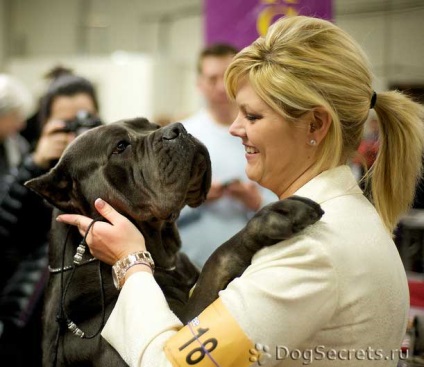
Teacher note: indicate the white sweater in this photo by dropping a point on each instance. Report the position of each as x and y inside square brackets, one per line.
[336, 293]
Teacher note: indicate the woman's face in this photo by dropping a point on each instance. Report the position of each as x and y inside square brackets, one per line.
[277, 151]
[67, 107]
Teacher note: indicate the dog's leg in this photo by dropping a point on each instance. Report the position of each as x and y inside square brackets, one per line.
[273, 223]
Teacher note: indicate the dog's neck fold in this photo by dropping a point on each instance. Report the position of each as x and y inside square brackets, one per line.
[162, 241]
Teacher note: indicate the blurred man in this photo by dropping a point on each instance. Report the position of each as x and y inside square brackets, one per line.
[232, 198]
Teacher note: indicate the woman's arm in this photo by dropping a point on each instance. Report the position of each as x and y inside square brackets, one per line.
[262, 302]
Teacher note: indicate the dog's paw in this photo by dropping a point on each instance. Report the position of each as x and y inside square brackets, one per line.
[280, 220]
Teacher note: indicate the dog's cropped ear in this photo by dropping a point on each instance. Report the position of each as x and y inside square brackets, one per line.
[54, 186]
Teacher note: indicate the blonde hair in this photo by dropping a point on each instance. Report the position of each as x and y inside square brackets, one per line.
[305, 62]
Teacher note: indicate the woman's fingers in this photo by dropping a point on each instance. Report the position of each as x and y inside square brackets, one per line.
[53, 125]
[79, 221]
[108, 241]
[83, 222]
[107, 211]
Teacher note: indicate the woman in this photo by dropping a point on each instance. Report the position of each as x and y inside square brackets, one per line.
[24, 237]
[66, 96]
[16, 103]
[337, 291]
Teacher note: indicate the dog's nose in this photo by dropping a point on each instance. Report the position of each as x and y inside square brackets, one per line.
[173, 131]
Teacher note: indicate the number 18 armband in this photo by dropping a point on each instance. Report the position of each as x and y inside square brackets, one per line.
[212, 339]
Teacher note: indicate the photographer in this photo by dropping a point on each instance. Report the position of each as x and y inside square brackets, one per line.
[23, 237]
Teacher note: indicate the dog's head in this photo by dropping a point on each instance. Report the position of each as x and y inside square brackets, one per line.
[145, 171]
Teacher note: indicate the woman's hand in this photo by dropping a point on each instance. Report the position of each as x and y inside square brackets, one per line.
[108, 242]
[246, 192]
[52, 143]
[215, 192]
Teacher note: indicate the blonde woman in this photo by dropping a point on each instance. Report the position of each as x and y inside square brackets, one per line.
[335, 294]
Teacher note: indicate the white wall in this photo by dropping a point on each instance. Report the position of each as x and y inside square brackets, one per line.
[3, 30]
[124, 82]
[57, 31]
[43, 27]
[393, 43]
[172, 34]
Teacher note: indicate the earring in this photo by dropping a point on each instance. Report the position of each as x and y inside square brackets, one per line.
[313, 142]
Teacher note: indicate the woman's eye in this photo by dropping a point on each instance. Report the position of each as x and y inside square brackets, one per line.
[252, 117]
[120, 147]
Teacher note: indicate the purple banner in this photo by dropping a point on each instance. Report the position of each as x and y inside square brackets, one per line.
[240, 22]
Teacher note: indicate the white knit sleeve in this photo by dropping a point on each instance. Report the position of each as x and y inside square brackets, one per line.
[288, 293]
[141, 323]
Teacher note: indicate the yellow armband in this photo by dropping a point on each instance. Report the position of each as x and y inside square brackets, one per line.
[212, 339]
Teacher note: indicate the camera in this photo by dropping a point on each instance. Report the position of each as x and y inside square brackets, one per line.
[83, 121]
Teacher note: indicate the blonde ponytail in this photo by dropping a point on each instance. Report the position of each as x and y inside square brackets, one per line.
[398, 166]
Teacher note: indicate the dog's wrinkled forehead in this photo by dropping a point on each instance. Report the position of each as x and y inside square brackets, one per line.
[139, 126]
[99, 140]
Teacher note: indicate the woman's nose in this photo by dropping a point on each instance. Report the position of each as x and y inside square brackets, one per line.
[237, 127]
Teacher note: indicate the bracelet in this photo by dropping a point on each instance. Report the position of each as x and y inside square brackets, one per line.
[141, 263]
[121, 266]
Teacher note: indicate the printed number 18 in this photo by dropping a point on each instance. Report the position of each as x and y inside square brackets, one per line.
[191, 359]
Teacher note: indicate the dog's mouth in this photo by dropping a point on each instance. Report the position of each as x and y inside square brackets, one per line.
[201, 175]
[185, 176]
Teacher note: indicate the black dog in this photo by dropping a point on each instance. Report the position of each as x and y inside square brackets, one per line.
[148, 174]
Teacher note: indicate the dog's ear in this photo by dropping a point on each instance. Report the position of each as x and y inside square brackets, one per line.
[55, 187]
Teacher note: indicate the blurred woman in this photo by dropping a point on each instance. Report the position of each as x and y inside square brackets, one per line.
[23, 237]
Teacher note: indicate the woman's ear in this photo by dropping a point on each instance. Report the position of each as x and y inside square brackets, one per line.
[319, 125]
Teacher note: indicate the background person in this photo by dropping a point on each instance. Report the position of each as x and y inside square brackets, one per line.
[232, 198]
[23, 239]
[304, 93]
[23, 235]
[368, 148]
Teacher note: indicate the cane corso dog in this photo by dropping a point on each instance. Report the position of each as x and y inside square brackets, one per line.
[148, 174]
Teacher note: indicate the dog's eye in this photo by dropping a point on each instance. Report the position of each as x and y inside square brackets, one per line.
[120, 147]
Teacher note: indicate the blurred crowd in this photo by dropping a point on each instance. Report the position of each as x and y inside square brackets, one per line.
[33, 136]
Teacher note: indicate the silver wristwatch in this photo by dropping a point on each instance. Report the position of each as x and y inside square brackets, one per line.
[121, 266]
